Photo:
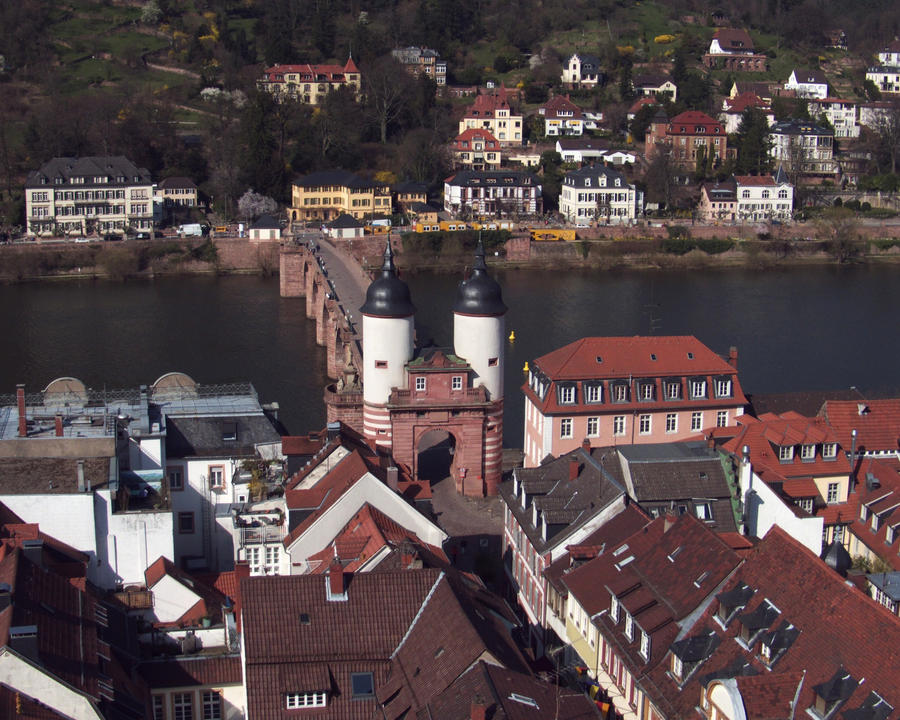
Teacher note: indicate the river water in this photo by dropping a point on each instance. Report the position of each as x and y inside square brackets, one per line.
[796, 329]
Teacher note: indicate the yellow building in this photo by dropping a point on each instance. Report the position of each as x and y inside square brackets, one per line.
[492, 112]
[309, 83]
[325, 195]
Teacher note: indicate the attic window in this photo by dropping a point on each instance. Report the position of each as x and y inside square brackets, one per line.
[653, 356]
[295, 700]
[832, 693]
[699, 581]
[229, 431]
[690, 356]
[829, 451]
[674, 554]
[599, 359]
[524, 699]
[785, 453]
[363, 685]
[304, 618]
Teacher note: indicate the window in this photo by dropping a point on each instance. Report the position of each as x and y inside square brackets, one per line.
[493, 362]
[362, 684]
[698, 388]
[696, 421]
[677, 667]
[807, 452]
[381, 364]
[644, 424]
[648, 391]
[176, 479]
[593, 393]
[703, 510]
[619, 425]
[159, 707]
[722, 418]
[785, 453]
[673, 390]
[593, 427]
[565, 427]
[305, 700]
[567, 394]
[629, 626]
[723, 388]
[614, 609]
[833, 492]
[456, 382]
[273, 560]
[186, 523]
[829, 451]
[671, 422]
[420, 384]
[212, 705]
[183, 706]
[216, 476]
[645, 645]
[620, 393]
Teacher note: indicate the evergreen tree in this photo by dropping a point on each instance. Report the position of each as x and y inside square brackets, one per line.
[753, 143]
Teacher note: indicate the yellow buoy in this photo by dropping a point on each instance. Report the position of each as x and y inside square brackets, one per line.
[512, 336]
[525, 367]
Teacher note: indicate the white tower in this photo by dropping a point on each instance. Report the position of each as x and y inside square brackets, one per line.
[479, 326]
[388, 326]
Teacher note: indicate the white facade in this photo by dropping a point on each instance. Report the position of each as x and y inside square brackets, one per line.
[481, 341]
[387, 347]
[840, 113]
[594, 194]
[806, 86]
[885, 77]
[575, 73]
[21, 675]
[763, 508]
[765, 202]
[803, 147]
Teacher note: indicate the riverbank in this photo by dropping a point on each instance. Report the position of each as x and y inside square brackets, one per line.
[645, 248]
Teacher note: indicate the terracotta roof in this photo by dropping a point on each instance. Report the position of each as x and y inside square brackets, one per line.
[330, 73]
[755, 181]
[210, 599]
[194, 670]
[839, 628]
[877, 423]
[641, 102]
[878, 489]
[476, 134]
[561, 106]
[416, 631]
[487, 104]
[692, 122]
[741, 102]
[734, 40]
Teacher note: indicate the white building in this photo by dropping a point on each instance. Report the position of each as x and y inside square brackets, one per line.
[599, 193]
[841, 114]
[499, 192]
[764, 197]
[582, 71]
[886, 75]
[807, 83]
[88, 196]
[803, 148]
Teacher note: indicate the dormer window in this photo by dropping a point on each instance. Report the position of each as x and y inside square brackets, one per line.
[297, 700]
[614, 609]
[629, 627]
[807, 453]
[829, 451]
[645, 645]
[673, 390]
[731, 602]
[832, 693]
[774, 644]
[677, 667]
[785, 453]
[723, 387]
[648, 391]
[620, 392]
[593, 393]
[698, 389]
[567, 394]
[755, 621]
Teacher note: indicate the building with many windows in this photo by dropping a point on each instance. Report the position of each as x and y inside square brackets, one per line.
[497, 192]
[842, 114]
[886, 75]
[732, 49]
[803, 148]
[597, 193]
[491, 111]
[88, 196]
[692, 137]
[623, 390]
[477, 149]
[324, 195]
[309, 83]
[423, 61]
[582, 71]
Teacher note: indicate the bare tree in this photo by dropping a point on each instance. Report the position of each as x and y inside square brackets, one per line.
[887, 127]
[387, 87]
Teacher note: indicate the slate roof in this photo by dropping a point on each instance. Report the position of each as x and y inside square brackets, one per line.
[582, 143]
[52, 476]
[415, 630]
[189, 437]
[475, 178]
[108, 167]
[806, 76]
[650, 81]
[724, 191]
[798, 127]
[734, 40]
[266, 222]
[877, 423]
[494, 686]
[592, 173]
[345, 221]
[566, 504]
[176, 182]
[839, 627]
[189, 671]
[341, 178]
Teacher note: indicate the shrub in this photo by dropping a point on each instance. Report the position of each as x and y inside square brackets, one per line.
[664, 39]
[715, 246]
[206, 252]
[678, 245]
[678, 231]
[838, 202]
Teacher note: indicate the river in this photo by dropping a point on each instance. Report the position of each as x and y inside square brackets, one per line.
[796, 329]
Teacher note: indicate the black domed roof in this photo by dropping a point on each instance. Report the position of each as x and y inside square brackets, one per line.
[480, 294]
[388, 295]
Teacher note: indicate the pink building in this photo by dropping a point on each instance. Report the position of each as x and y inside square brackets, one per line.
[627, 390]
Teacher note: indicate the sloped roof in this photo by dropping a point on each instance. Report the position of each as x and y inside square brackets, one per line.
[578, 178]
[693, 121]
[49, 475]
[192, 671]
[108, 167]
[734, 40]
[345, 221]
[176, 182]
[877, 422]
[561, 104]
[806, 76]
[266, 222]
[188, 437]
[839, 627]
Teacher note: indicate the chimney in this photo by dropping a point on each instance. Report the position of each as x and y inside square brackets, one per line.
[710, 441]
[333, 430]
[586, 445]
[59, 426]
[393, 478]
[34, 551]
[20, 401]
[82, 484]
[732, 357]
[24, 640]
[574, 468]
[337, 587]
[479, 709]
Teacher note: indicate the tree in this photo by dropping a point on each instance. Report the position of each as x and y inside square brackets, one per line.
[839, 227]
[887, 130]
[753, 143]
[387, 91]
[660, 177]
[251, 205]
[151, 13]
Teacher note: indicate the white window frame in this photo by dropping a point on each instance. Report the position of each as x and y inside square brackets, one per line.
[807, 452]
[677, 667]
[648, 392]
[593, 393]
[673, 390]
[593, 427]
[698, 389]
[629, 626]
[722, 418]
[645, 426]
[696, 421]
[671, 422]
[619, 425]
[620, 393]
[785, 453]
[211, 701]
[645, 645]
[183, 706]
[420, 384]
[567, 395]
[723, 388]
[565, 428]
[159, 707]
[456, 382]
[614, 609]
[829, 451]
[296, 700]
[833, 493]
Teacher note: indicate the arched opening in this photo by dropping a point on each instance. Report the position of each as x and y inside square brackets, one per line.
[435, 456]
[293, 215]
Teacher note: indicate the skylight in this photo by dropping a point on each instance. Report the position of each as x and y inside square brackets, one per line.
[524, 699]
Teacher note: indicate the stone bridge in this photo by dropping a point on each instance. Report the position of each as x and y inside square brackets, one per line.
[335, 288]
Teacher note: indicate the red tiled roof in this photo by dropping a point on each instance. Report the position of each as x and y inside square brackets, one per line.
[641, 102]
[755, 180]
[693, 122]
[839, 628]
[879, 497]
[210, 599]
[741, 102]
[208, 670]
[734, 39]
[487, 104]
[331, 73]
[561, 104]
[877, 423]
